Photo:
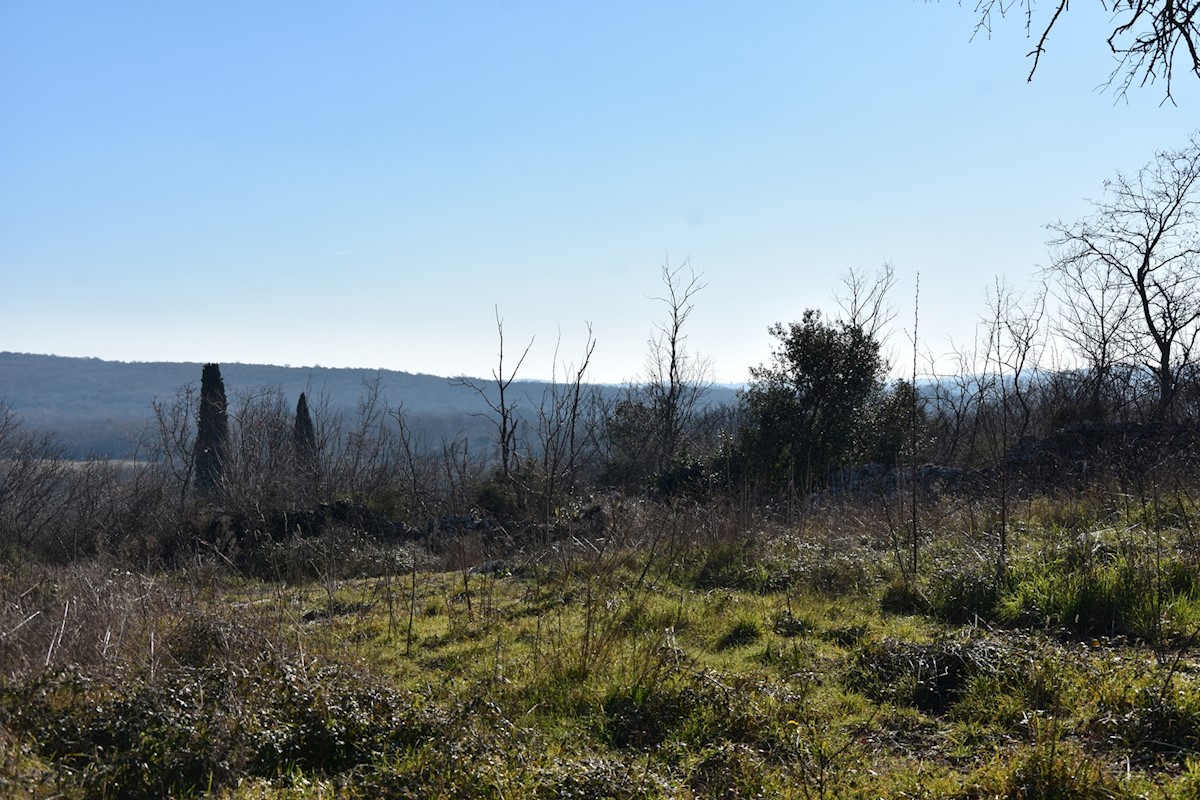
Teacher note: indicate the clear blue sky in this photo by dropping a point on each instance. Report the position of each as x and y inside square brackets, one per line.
[362, 183]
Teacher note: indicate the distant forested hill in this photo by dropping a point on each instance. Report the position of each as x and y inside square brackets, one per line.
[98, 407]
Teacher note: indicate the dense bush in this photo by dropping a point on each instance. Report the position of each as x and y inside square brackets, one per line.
[803, 410]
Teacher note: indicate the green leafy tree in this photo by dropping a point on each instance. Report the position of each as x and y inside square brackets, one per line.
[884, 430]
[629, 427]
[804, 409]
[212, 434]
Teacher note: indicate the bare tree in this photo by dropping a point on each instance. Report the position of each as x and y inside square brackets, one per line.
[502, 405]
[33, 476]
[563, 428]
[1014, 340]
[1016, 334]
[662, 417]
[1093, 321]
[948, 400]
[367, 444]
[170, 443]
[419, 467]
[1148, 38]
[328, 422]
[863, 299]
[677, 380]
[261, 459]
[915, 412]
[1143, 239]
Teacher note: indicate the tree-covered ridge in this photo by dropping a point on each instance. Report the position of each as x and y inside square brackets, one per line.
[97, 406]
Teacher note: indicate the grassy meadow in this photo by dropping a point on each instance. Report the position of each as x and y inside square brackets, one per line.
[684, 651]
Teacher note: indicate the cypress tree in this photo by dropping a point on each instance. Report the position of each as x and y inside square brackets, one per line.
[212, 435]
[304, 435]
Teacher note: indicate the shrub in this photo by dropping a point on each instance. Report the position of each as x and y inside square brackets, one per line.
[903, 597]
[1050, 769]
[788, 624]
[640, 717]
[732, 565]
[729, 769]
[741, 633]
[685, 477]
[964, 596]
[931, 676]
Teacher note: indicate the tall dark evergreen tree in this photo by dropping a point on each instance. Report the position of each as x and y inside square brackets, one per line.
[212, 435]
[304, 435]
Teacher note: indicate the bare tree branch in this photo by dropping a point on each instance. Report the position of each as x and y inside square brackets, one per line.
[1149, 39]
[864, 299]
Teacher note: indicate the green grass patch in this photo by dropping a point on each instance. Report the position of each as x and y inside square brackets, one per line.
[790, 666]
